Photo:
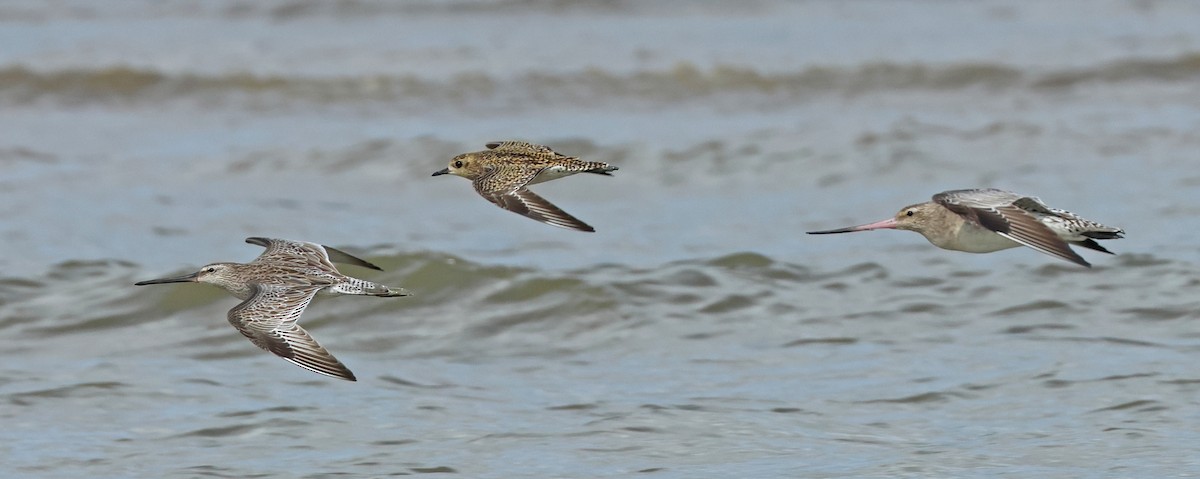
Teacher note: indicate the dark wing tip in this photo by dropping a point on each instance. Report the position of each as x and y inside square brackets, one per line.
[339, 370]
[258, 240]
[339, 256]
[304, 351]
[1092, 244]
[532, 206]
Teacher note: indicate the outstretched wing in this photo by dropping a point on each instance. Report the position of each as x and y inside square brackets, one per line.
[530, 205]
[268, 319]
[996, 210]
[304, 253]
[338, 256]
[523, 148]
[506, 188]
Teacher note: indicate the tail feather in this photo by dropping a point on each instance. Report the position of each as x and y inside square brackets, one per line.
[385, 292]
[605, 170]
[1104, 235]
[375, 289]
[360, 287]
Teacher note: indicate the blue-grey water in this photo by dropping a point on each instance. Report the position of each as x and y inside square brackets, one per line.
[698, 333]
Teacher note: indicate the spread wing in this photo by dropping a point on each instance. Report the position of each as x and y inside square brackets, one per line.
[268, 319]
[523, 148]
[305, 253]
[998, 211]
[338, 256]
[506, 188]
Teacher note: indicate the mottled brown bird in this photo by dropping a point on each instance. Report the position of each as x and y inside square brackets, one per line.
[503, 172]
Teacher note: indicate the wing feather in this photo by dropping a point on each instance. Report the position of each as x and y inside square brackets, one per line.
[1026, 229]
[338, 256]
[530, 205]
[506, 188]
[995, 210]
[523, 148]
[268, 319]
[300, 254]
[305, 254]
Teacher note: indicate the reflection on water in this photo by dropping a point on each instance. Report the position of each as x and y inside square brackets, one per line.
[697, 333]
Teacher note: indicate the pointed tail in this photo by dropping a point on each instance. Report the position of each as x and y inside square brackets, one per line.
[361, 287]
[605, 170]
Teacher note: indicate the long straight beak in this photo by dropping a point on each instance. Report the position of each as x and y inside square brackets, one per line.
[443, 171]
[187, 278]
[889, 223]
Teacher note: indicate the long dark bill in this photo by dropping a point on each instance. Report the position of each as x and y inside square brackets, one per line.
[187, 278]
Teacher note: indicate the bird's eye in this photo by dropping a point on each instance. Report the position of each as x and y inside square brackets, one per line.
[909, 213]
[212, 270]
[458, 164]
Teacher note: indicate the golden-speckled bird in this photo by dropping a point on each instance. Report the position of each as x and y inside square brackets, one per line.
[503, 172]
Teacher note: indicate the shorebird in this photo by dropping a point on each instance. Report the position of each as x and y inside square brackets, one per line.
[503, 172]
[276, 287]
[987, 220]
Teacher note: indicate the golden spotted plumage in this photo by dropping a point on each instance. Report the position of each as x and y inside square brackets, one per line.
[503, 172]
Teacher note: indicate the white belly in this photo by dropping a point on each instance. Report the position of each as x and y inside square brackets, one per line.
[976, 239]
[551, 173]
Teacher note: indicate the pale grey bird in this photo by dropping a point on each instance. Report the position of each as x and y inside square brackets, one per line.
[276, 287]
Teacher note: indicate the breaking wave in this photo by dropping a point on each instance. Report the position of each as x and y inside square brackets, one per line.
[682, 83]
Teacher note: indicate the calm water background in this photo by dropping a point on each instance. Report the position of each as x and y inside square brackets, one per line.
[698, 333]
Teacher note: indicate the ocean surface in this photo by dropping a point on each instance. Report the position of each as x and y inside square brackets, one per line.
[698, 333]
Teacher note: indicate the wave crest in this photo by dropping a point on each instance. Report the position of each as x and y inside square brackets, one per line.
[682, 83]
